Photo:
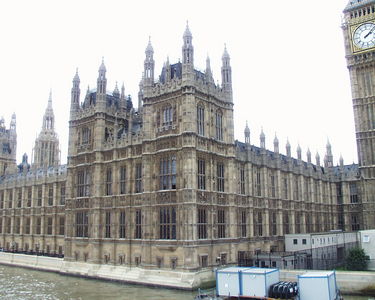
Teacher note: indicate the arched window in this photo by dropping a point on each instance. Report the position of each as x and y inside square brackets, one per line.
[219, 125]
[200, 119]
[167, 116]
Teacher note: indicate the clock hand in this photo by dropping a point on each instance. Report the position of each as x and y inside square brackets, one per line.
[371, 31]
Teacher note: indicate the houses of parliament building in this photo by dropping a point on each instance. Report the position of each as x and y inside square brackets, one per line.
[167, 186]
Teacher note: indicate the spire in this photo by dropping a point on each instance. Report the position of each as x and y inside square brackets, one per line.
[102, 81]
[76, 78]
[75, 94]
[262, 139]
[276, 144]
[299, 152]
[187, 48]
[288, 152]
[49, 116]
[317, 158]
[50, 99]
[341, 161]
[149, 49]
[122, 98]
[225, 54]
[149, 65]
[122, 90]
[46, 149]
[116, 91]
[329, 156]
[102, 68]
[208, 72]
[226, 74]
[308, 154]
[13, 123]
[187, 32]
[247, 134]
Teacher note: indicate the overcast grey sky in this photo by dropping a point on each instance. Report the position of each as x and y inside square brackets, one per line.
[288, 61]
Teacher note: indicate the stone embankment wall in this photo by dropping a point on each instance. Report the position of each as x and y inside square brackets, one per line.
[134, 275]
[349, 282]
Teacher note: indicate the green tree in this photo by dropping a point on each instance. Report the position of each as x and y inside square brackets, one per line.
[356, 259]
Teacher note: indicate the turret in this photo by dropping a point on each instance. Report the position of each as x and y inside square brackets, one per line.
[13, 123]
[101, 87]
[308, 154]
[46, 149]
[187, 53]
[299, 152]
[208, 73]
[276, 144]
[116, 92]
[247, 134]
[226, 74]
[262, 140]
[317, 158]
[341, 161]
[49, 116]
[288, 152]
[329, 156]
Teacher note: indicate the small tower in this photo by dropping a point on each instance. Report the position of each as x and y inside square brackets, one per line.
[288, 150]
[74, 103]
[276, 144]
[262, 140]
[247, 134]
[187, 52]
[226, 74]
[308, 154]
[149, 66]
[299, 152]
[46, 149]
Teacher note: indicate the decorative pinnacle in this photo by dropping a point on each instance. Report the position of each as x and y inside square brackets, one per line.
[76, 76]
[149, 46]
[50, 99]
[225, 54]
[102, 66]
[187, 32]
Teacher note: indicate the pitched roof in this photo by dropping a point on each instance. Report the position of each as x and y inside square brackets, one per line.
[357, 3]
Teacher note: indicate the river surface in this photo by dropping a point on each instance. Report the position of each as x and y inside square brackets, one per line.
[26, 284]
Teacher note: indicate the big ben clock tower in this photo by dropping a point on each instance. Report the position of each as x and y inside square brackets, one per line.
[359, 35]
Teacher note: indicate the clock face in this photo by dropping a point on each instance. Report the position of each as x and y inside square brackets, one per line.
[364, 36]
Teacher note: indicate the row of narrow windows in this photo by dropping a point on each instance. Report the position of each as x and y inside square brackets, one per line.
[168, 224]
[291, 188]
[31, 195]
[362, 12]
[35, 228]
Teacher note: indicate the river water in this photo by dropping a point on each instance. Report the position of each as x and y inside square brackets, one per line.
[26, 284]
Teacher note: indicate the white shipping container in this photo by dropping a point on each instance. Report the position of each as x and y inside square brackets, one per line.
[228, 281]
[317, 285]
[256, 282]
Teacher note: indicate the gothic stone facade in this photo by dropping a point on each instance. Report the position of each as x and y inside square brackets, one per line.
[167, 186]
